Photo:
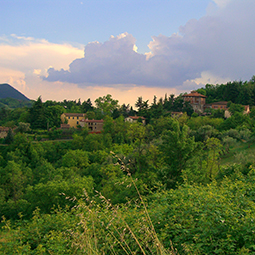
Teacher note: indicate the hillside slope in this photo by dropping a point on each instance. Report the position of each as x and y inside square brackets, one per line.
[7, 91]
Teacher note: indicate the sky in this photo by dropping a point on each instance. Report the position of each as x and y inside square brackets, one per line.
[69, 49]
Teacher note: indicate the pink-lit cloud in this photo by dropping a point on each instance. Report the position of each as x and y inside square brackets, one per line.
[221, 44]
[216, 48]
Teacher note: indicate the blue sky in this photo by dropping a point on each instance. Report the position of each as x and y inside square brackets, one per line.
[132, 48]
[95, 20]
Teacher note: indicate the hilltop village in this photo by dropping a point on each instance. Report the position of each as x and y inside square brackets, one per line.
[197, 102]
[193, 102]
[172, 176]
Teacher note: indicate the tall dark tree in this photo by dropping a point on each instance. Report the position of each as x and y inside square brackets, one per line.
[232, 91]
[87, 106]
[37, 114]
[10, 137]
[168, 105]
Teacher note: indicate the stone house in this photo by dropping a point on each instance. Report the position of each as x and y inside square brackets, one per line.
[196, 100]
[93, 125]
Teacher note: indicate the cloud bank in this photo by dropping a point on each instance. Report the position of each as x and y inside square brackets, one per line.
[220, 44]
[23, 60]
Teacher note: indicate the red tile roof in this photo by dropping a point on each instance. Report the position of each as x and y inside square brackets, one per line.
[194, 94]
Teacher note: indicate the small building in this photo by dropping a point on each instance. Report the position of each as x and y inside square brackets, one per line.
[246, 111]
[217, 105]
[132, 119]
[72, 119]
[93, 125]
[4, 131]
[196, 100]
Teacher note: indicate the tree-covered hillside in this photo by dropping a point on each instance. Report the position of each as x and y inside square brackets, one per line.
[237, 92]
[14, 103]
[179, 184]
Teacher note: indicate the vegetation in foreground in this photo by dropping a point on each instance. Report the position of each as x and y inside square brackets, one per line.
[177, 185]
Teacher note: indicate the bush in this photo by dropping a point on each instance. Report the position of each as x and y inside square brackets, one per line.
[208, 219]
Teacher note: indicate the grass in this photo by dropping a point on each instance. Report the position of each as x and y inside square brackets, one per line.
[114, 229]
[244, 148]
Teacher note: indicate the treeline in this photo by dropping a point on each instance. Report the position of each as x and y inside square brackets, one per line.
[13, 111]
[47, 115]
[238, 92]
[134, 188]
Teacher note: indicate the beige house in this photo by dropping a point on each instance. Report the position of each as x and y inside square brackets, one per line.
[197, 101]
[93, 125]
[134, 119]
[72, 119]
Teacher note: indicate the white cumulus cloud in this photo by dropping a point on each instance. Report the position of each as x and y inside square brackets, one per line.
[24, 59]
[222, 3]
[220, 44]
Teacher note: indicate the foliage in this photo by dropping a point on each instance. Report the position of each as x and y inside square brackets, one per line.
[23, 127]
[37, 116]
[15, 103]
[10, 137]
[197, 122]
[134, 188]
[233, 108]
[55, 133]
[106, 104]
[177, 149]
[208, 219]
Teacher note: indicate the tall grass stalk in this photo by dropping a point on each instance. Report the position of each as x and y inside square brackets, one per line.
[105, 228]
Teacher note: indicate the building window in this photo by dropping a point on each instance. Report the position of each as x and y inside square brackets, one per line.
[77, 122]
[77, 117]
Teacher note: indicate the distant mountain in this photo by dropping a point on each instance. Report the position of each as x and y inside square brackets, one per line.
[7, 91]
